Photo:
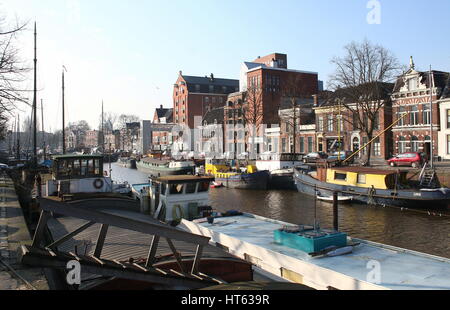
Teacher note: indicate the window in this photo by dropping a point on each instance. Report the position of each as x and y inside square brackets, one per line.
[302, 145]
[283, 145]
[414, 144]
[448, 144]
[361, 178]
[176, 189]
[448, 119]
[203, 187]
[376, 121]
[377, 147]
[401, 145]
[310, 144]
[330, 123]
[340, 176]
[320, 123]
[400, 113]
[190, 188]
[412, 84]
[426, 114]
[414, 120]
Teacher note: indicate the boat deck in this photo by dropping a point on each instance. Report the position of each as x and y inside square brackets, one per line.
[137, 188]
[252, 237]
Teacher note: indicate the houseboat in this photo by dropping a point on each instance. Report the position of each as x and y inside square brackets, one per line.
[176, 197]
[162, 167]
[236, 177]
[372, 186]
[281, 168]
[81, 178]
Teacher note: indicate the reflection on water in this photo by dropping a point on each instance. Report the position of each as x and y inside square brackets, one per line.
[405, 229]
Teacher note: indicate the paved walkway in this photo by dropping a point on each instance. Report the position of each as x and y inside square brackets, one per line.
[14, 233]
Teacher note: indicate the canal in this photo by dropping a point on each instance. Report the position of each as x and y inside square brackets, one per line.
[406, 229]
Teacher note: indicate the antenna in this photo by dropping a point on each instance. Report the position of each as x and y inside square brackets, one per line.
[63, 119]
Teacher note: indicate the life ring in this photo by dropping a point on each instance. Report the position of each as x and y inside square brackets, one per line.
[98, 183]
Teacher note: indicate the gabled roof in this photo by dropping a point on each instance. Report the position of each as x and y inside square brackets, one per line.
[440, 79]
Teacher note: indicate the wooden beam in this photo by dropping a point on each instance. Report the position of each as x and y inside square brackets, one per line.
[152, 251]
[149, 226]
[198, 256]
[40, 229]
[101, 240]
[69, 236]
[176, 255]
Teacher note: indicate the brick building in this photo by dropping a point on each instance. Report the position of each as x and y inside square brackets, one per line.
[336, 123]
[193, 96]
[412, 94]
[162, 128]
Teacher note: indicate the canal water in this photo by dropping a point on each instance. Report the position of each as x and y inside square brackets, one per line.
[406, 229]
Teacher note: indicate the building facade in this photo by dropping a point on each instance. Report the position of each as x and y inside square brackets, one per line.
[415, 102]
[193, 96]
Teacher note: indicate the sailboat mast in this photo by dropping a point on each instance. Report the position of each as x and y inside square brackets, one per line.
[18, 136]
[63, 120]
[43, 132]
[103, 133]
[34, 102]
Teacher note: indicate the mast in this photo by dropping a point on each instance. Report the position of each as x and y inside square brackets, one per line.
[43, 132]
[18, 136]
[103, 133]
[63, 120]
[34, 103]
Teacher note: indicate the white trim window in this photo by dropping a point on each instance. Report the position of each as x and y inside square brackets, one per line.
[414, 120]
[426, 114]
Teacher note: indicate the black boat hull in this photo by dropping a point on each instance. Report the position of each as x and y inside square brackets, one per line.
[413, 199]
[284, 181]
[254, 181]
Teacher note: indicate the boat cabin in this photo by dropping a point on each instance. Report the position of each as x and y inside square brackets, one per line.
[362, 177]
[77, 174]
[177, 197]
[278, 161]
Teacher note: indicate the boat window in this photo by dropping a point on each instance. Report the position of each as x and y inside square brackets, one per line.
[91, 169]
[76, 168]
[203, 187]
[190, 188]
[361, 178]
[84, 167]
[176, 189]
[97, 167]
[340, 176]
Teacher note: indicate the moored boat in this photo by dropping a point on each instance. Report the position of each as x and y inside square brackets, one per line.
[161, 167]
[281, 168]
[371, 186]
[237, 178]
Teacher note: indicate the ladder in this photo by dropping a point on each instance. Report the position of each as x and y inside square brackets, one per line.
[427, 176]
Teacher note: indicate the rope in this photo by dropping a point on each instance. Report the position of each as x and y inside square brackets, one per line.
[18, 276]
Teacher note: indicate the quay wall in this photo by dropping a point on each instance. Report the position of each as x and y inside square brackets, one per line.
[14, 233]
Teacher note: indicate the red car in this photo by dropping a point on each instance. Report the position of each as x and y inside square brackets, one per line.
[414, 160]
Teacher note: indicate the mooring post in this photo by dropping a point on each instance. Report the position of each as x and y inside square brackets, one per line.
[335, 211]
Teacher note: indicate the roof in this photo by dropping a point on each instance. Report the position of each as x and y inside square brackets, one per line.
[214, 115]
[378, 91]
[364, 170]
[220, 86]
[183, 179]
[441, 79]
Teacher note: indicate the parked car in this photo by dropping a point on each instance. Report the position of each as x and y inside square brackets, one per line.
[3, 167]
[313, 157]
[413, 159]
[344, 155]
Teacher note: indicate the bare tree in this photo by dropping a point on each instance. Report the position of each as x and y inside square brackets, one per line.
[361, 84]
[292, 92]
[252, 108]
[12, 72]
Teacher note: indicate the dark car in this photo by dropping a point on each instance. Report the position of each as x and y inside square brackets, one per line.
[412, 159]
[314, 157]
[343, 156]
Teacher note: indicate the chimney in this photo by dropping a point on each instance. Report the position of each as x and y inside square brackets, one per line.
[316, 100]
[181, 72]
[161, 106]
[212, 77]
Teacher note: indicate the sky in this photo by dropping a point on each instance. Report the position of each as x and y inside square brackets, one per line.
[128, 53]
